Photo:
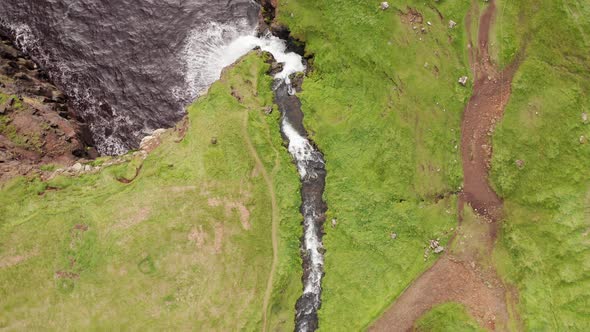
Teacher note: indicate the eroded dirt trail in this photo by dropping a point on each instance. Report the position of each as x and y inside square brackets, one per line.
[491, 91]
[466, 274]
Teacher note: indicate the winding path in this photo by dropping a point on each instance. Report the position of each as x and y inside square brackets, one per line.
[274, 218]
[466, 273]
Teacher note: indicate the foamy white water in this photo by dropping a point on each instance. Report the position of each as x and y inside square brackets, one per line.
[215, 46]
[301, 150]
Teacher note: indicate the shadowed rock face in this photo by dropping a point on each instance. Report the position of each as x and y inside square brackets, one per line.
[123, 62]
[36, 126]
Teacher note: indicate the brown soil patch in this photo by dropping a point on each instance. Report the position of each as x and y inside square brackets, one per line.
[14, 260]
[449, 279]
[142, 215]
[81, 227]
[466, 275]
[181, 129]
[197, 236]
[218, 241]
[491, 92]
[412, 16]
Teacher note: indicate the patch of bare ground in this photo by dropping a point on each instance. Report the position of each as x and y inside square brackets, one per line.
[134, 218]
[230, 206]
[198, 236]
[12, 260]
[465, 274]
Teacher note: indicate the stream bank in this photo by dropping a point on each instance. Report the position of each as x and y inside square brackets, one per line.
[308, 158]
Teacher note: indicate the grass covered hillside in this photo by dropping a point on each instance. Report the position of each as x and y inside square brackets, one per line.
[385, 107]
[184, 246]
[541, 158]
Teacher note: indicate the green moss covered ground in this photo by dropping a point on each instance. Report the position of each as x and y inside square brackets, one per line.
[447, 317]
[544, 248]
[169, 250]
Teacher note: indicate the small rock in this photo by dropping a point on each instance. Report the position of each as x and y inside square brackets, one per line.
[393, 236]
[585, 117]
[146, 142]
[268, 110]
[519, 163]
[463, 80]
[158, 132]
[429, 23]
[87, 168]
[583, 139]
[452, 24]
[334, 222]
[214, 140]
[439, 249]
[384, 5]
[77, 167]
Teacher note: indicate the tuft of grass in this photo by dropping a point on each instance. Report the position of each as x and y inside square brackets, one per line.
[447, 317]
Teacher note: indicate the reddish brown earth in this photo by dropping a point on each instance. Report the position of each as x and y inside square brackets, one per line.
[36, 124]
[465, 274]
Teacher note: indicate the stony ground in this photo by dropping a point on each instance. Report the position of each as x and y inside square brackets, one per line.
[37, 127]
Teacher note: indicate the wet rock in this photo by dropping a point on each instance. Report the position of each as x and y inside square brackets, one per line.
[275, 68]
[463, 80]
[23, 77]
[58, 97]
[28, 64]
[384, 5]
[452, 24]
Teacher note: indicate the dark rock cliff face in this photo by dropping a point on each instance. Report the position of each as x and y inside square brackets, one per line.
[123, 62]
[36, 124]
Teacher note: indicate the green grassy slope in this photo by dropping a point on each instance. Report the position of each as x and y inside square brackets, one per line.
[384, 106]
[447, 317]
[545, 245]
[167, 251]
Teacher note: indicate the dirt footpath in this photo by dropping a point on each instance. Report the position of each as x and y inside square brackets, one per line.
[466, 273]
